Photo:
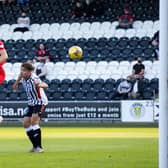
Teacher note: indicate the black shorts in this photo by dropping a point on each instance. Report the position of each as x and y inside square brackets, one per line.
[37, 109]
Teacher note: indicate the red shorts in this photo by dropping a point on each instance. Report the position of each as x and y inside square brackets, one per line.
[2, 75]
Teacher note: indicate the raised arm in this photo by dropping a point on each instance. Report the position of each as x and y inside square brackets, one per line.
[42, 85]
[15, 85]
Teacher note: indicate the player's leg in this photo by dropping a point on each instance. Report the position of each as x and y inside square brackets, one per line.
[35, 120]
[28, 127]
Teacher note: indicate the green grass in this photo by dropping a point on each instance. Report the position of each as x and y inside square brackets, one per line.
[81, 148]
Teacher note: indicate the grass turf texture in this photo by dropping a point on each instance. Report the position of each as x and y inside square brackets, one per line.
[81, 148]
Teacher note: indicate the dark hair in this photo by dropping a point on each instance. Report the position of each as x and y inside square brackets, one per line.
[28, 66]
[129, 76]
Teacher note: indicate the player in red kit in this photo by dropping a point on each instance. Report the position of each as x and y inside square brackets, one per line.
[3, 57]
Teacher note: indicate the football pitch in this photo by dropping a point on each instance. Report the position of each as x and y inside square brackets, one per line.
[83, 147]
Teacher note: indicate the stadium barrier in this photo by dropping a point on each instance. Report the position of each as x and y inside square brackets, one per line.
[98, 111]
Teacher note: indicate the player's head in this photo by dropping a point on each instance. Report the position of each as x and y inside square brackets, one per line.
[26, 70]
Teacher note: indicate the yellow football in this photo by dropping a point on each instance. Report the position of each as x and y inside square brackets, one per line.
[75, 52]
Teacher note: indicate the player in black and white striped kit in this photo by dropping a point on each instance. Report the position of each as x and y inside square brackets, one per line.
[37, 101]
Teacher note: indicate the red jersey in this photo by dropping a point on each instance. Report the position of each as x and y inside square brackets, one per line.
[1, 45]
[2, 72]
[126, 18]
[42, 53]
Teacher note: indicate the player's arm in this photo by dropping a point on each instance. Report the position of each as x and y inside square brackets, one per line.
[42, 85]
[15, 85]
[3, 53]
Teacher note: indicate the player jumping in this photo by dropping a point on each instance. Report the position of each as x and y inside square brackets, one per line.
[37, 101]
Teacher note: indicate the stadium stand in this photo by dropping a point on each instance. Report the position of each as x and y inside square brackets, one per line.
[61, 11]
[109, 54]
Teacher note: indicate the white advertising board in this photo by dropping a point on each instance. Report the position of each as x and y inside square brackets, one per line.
[137, 111]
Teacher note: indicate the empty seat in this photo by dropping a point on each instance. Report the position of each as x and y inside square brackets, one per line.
[91, 64]
[144, 42]
[91, 42]
[55, 84]
[109, 85]
[149, 51]
[137, 51]
[115, 52]
[3, 96]
[85, 26]
[147, 93]
[74, 27]
[154, 85]
[79, 95]
[124, 65]
[148, 24]
[13, 96]
[102, 64]
[120, 33]
[105, 26]
[147, 64]
[87, 84]
[10, 84]
[59, 65]
[98, 85]
[95, 26]
[76, 85]
[137, 24]
[113, 42]
[123, 42]
[65, 85]
[102, 42]
[90, 95]
[57, 95]
[64, 27]
[143, 85]
[35, 27]
[101, 95]
[134, 42]
[23, 96]
[114, 64]
[69, 66]
[68, 95]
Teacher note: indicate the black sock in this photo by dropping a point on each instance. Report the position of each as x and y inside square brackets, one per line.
[37, 137]
[31, 137]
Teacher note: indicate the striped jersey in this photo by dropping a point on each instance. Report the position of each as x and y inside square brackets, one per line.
[36, 96]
